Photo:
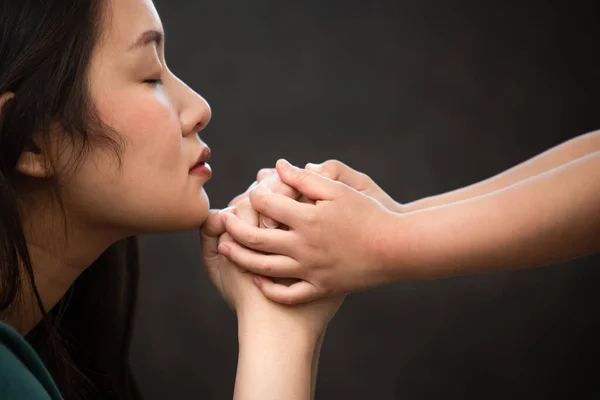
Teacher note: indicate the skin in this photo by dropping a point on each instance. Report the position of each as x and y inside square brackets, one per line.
[540, 212]
[276, 340]
[159, 123]
[159, 119]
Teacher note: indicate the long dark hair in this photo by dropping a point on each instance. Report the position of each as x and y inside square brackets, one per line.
[45, 51]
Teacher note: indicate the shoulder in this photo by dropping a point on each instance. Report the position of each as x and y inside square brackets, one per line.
[21, 371]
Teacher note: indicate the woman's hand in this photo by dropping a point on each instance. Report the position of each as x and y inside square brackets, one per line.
[237, 287]
[279, 345]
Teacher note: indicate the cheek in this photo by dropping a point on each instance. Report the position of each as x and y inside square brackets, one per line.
[150, 127]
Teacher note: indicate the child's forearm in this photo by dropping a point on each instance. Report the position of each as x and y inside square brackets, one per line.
[549, 218]
[555, 157]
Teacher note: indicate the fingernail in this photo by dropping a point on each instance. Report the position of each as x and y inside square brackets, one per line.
[268, 223]
[313, 166]
[224, 218]
[223, 249]
[283, 163]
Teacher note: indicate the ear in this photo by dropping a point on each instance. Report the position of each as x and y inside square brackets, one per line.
[35, 159]
[5, 97]
[34, 163]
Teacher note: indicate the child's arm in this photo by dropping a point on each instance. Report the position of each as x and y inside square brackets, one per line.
[549, 218]
[552, 158]
[349, 242]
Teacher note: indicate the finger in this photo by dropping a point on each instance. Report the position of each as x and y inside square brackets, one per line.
[267, 240]
[278, 207]
[246, 213]
[269, 223]
[309, 183]
[300, 292]
[273, 265]
[338, 171]
[264, 172]
[274, 183]
[211, 232]
[213, 226]
[209, 248]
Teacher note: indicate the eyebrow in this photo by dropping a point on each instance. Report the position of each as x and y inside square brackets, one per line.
[146, 38]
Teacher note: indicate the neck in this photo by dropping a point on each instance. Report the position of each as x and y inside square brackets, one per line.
[60, 249]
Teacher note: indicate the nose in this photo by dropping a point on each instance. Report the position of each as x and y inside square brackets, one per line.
[195, 112]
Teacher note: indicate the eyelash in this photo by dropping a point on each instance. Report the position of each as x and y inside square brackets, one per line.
[154, 81]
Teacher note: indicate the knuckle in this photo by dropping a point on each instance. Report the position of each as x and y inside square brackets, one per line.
[363, 178]
[264, 172]
[335, 165]
[311, 218]
[280, 187]
[262, 203]
[253, 240]
[266, 269]
[302, 179]
[259, 201]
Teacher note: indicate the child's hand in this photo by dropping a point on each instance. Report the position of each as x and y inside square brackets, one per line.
[336, 245]
[338, 171]
[243, 297]
[273, 183]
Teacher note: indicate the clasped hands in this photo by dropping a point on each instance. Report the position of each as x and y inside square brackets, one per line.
[330, 225]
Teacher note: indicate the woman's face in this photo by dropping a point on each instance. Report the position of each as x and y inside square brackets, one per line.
[159, 118]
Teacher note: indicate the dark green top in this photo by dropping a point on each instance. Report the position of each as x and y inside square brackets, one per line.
[22, 374]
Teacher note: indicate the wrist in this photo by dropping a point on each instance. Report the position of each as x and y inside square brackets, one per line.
[400, 208]
[416, 205]
[273, 362]
[398, 247]
[277, 326]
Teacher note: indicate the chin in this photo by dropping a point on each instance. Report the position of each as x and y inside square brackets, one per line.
[176, 216]
[195, 217]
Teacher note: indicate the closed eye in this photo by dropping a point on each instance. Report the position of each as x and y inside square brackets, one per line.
[154, 81]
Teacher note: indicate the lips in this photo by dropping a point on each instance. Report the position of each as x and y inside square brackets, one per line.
[202, 159]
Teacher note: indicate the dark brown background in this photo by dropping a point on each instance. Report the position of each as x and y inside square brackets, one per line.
[424, 96]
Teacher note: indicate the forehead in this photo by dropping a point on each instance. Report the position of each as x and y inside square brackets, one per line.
[127, 19]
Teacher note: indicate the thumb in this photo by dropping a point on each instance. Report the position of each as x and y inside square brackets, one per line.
[308, 183]
[296, 293]
[213, 226]
[210, 232]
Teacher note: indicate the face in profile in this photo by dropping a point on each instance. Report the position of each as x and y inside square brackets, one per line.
[158, 187]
